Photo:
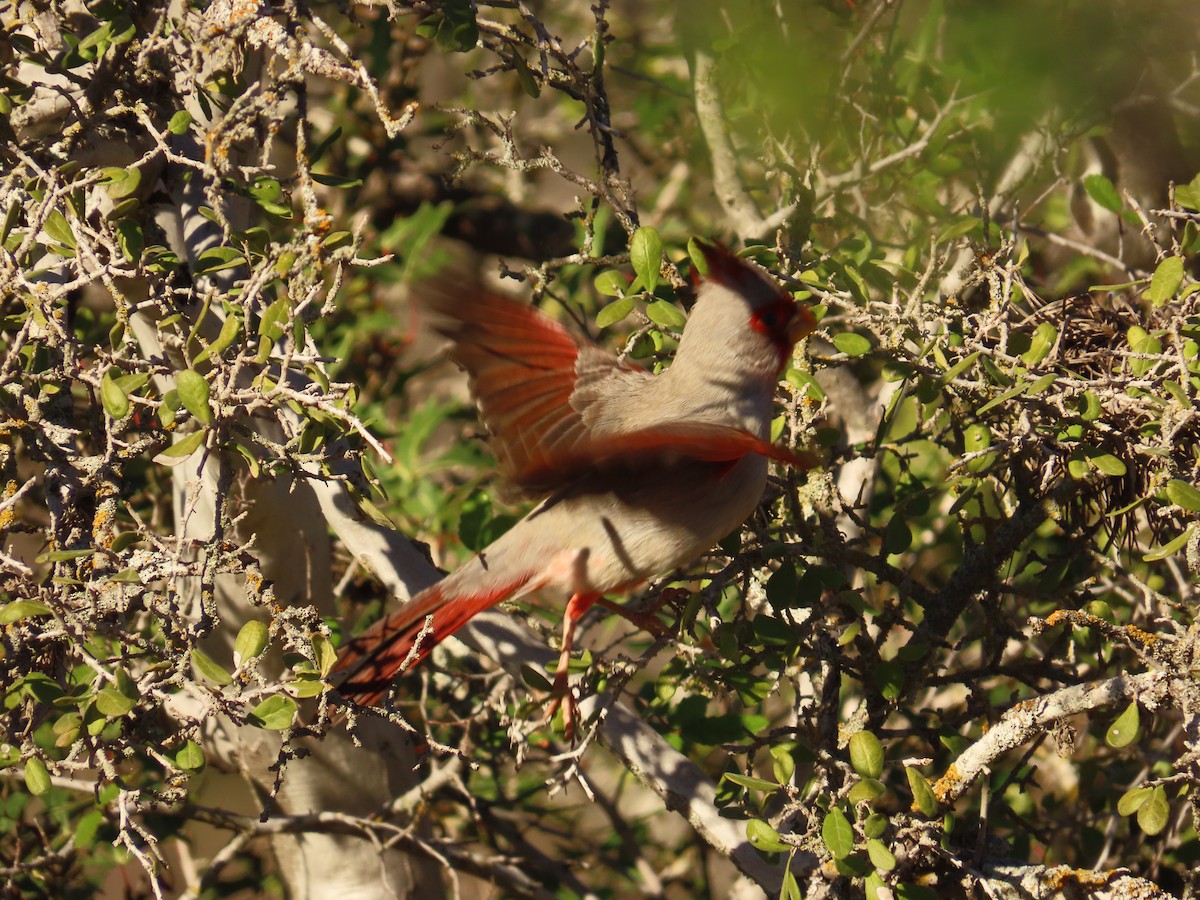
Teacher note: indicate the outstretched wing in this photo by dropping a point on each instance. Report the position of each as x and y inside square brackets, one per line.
[539, 390]
[524, 369]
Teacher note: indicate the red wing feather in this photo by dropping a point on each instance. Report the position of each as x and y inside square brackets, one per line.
[706, 441]
[524, 367]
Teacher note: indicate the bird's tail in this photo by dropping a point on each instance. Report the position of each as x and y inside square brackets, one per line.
[398, 642]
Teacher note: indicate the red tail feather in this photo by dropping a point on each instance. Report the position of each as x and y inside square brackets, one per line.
[395, 644]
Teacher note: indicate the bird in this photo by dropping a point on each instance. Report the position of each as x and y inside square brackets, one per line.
[637, 474]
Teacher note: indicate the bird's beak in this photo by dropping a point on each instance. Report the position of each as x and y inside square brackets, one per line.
[802, 323]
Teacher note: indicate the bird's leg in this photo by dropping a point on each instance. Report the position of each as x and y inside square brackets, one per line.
[644, 620]
[576, 607]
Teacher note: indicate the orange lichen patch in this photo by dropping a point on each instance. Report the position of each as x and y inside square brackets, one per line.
[1144, 638]
[947, 787]
[1063, 879]
[1056, 617]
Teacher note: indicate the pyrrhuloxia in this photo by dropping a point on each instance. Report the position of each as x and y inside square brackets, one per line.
[640, 473]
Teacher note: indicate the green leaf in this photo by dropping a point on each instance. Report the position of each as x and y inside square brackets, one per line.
[1089, 406]
[1188, 195]
[962, 226]
[1131, 801]
[37, 777]
[751, 783]
[763, 837]
[22, 609]
[1107, 463]
[614, 312]
[112, 703]
[837, 834]
[274, 714]
[114, 399]
[1124, 731]
[181, 449]
[209, 668]
[123, 209]
[121, 183]
[215, 259]
[1155, 812]
[1165, 283]
[1101, 190]
[251, 641]
[852, 344]
[180, 122]
[1141, 341]
[881, 857]
[696, 255]
[1183, 495]
[897, 536]
[866, 791]
[666, 314]
[645, 253]
[866, 754]
[611, 283]
[529, 84]
[889, 676]
[193, 394]
[791, 889]
[131, 240]
[230, 329]
[1169, 549]
[923, 798]
[782, 587]
[190, 757]
[324, 655]
[1041, 344]
[875, 825]
[65, 555]
[58, 229]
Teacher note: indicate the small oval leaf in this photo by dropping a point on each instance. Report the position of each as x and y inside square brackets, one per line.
[1166, 280]
[112, 703]
[114, 398]
[1131, 801]
[866, 754]
[190, 757]
[193, 393]
[923, 798]
[645, 253]
[251, 641]
[614, 312]
[181, 449]
[837, 834]
[209, 668]
[1183, 495]
[1102, 191]
[1041, 344]
[881, 857]
[866, 791]
[764, 837]
[1124, 730]
[665, 314]
[611, 283]
[1154, 814]
[216, 259]
[22, 609]
[274, 714]
[324, 655]
[852, 344]
[37, 777]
